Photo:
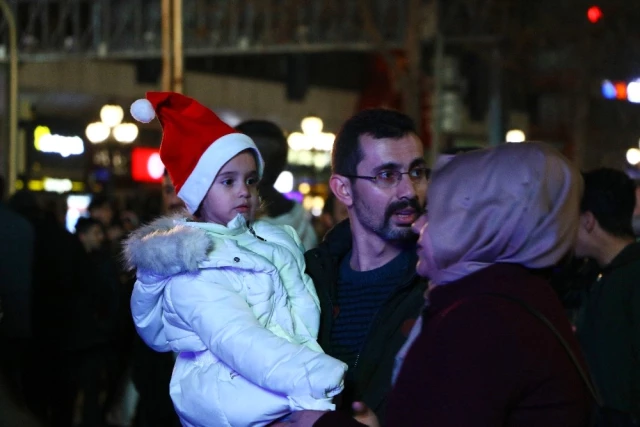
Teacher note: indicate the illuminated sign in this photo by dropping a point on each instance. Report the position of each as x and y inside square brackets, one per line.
[47, 142]
[621, 90]
[146, 165]
[51, 184]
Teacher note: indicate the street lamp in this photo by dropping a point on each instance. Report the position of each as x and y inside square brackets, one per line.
[110, 128]
[111, 124]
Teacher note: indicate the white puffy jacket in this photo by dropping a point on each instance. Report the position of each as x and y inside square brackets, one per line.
[236, 305]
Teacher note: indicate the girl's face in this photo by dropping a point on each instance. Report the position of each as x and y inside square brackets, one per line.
[233, 192]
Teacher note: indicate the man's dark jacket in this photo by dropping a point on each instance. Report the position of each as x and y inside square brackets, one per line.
[374, 364]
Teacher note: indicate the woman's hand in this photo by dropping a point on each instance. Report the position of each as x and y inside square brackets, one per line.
[364, 415]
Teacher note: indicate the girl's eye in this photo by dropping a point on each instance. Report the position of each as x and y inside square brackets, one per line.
[252, 181]
[227, 182]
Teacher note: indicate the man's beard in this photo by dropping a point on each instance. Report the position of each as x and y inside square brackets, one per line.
[384, 228]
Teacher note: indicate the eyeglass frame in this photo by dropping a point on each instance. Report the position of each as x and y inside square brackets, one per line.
[398, 174]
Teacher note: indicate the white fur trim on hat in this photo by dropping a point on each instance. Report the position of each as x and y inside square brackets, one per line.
[142, 111]
[197, 185]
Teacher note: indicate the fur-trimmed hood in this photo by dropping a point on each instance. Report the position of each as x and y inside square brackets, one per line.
[167, 246]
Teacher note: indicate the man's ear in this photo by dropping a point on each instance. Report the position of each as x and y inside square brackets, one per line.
[341, 188]
[588, 221]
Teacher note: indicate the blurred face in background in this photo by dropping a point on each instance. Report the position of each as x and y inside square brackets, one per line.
[92, 239]
[170, 200]
[103, 213]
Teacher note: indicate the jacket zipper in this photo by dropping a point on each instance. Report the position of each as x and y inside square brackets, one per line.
[375, 318]
[255, 235]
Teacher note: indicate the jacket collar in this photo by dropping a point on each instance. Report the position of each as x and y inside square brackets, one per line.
[338, 241]
[629, 254]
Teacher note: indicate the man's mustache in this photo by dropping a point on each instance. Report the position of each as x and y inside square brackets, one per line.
[404, 204]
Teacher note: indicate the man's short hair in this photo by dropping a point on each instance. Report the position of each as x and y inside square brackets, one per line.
[271, 143]
[610, 195]
[84, 224]
[378, 123]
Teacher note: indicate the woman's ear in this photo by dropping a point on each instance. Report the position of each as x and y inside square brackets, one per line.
[341, 188]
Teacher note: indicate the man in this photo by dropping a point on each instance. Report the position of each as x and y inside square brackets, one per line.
[274, 149]
[609, 320]
[365, 269]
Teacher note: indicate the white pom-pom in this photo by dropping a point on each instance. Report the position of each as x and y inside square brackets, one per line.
[142, 111]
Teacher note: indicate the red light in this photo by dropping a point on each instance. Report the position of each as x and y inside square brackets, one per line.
[146, 165]
[621, 90]
[594, 14]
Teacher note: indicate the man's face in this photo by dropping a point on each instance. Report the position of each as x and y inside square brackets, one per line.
[170, 200]
[389, 212]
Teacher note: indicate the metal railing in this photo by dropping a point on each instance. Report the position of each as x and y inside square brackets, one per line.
[51, 30]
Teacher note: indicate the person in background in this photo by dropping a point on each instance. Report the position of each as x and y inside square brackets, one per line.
[608, 321]
[272, 143]
[494, 347]
[333, 212]
[100, 208]
[171, 203]
[364, 270]
[17, 239]
[58, 296]
[636, 212]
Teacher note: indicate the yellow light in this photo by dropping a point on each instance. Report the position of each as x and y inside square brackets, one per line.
[77, 186]
[35, 185]
[296, 141]
[38, 133]
[125, 132]
[307, 202]
[311, 125]
[97, 132]
[304, 188]
[316, 206]
[111, 115]
[515, 136]
[19, 184]
[633, 156]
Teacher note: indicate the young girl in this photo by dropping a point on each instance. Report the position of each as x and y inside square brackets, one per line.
[228, 293]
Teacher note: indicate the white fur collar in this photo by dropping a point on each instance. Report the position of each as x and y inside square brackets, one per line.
[167, 246]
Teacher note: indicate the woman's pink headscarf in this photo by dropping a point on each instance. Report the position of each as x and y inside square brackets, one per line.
[515, 203]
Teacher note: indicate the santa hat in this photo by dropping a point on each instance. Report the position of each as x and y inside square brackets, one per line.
[196, 144]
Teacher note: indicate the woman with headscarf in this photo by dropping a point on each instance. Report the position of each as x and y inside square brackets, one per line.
[498, 220]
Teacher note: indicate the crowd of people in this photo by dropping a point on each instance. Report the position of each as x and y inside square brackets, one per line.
[497, 289]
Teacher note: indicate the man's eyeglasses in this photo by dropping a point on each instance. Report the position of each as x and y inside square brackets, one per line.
[391, 178]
